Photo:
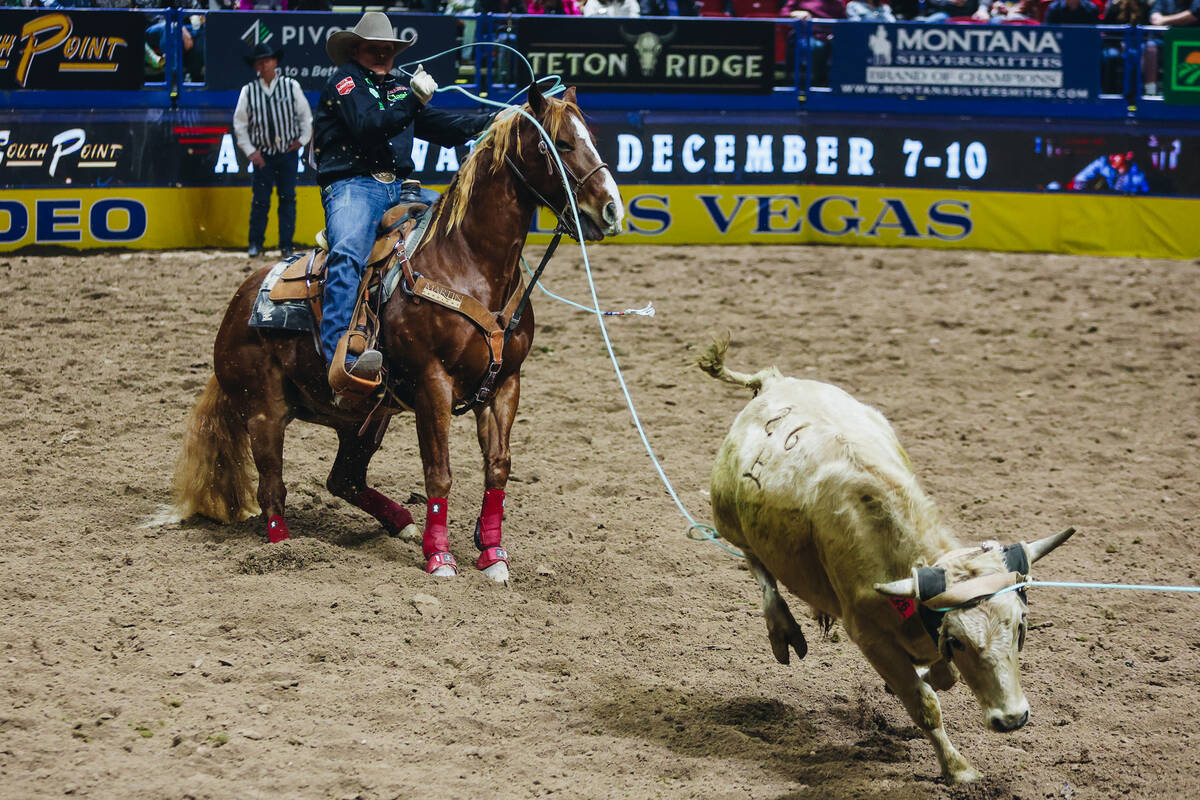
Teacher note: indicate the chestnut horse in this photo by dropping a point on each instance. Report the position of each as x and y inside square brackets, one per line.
[434, 357]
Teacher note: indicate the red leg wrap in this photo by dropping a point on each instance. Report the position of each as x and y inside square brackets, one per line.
[490, 519]
[491, 555]
[393, 516]
[441, 560]
[436, 538]
[277, 529]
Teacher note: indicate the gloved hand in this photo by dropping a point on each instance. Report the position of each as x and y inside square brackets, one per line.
[422, 84]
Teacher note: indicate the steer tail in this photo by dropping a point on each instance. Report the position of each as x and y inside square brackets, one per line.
[212, 476]
[713, 362]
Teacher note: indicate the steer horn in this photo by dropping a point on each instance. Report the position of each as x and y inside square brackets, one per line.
[905, 587]
[1043, 546]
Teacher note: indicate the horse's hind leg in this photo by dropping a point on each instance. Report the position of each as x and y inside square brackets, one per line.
[265, 426]
[493, 425]
[348, 479]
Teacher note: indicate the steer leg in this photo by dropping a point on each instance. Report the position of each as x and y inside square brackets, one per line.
[919, 699]
[782, 629]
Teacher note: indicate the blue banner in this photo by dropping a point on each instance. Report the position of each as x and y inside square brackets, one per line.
[1015, 62]
[302, 35]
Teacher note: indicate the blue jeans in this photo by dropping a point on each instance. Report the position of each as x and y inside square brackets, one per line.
[353, 208]
[279, 171]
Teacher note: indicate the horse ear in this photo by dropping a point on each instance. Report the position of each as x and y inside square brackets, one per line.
[537, 101]
[569, 95]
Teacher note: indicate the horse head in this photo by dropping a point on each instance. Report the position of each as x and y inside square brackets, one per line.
[601, 212]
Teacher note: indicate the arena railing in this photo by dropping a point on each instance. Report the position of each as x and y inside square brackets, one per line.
[490, 72]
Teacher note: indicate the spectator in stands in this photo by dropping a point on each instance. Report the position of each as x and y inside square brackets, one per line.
[611, 8]
[819, 42]
[504, 32]
[1072, 12]
[670, 8]
[1117, 172]
[869, 11]
[1174, 13]
[1127, 12]
[943, 10]
[999, 12]
[272, 122]
[564, 7]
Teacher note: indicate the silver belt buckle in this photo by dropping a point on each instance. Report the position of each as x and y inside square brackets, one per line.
[384, 177]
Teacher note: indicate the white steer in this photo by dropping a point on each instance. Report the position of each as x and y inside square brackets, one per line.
[817, 491]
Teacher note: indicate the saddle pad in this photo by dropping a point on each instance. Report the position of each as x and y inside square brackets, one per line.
[289, 316]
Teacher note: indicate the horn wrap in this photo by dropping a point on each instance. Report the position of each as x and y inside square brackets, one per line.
[965, 592]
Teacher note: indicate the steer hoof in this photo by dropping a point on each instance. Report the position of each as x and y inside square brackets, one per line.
[795, 638]
[962, 775]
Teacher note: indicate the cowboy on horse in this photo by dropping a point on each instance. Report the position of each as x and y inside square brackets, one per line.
[363, 135]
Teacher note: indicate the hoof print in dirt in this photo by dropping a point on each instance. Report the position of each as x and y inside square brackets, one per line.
[287, 555]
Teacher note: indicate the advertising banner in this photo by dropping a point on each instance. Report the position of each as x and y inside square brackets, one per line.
[79, 152]
[1013, 62]
[196, 148]
[158, 218]
[928, 156]
[71, 49]
[635, 55]
[233, 34]
[1181, 69]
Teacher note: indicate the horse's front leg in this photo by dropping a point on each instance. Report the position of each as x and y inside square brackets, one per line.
[432, 408]
[348, 478]
[493, 424]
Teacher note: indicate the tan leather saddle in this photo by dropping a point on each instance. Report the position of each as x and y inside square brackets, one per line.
[304, 280]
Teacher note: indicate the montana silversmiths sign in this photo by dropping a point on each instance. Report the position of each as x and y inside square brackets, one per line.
[967, 61]
[71, 49]
[302, 35]
[634, 55]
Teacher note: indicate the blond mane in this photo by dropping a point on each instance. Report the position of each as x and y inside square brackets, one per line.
[501, 139]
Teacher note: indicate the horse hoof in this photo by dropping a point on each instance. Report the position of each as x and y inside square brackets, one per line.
[497, 572]
[410, 533]
[441, 565]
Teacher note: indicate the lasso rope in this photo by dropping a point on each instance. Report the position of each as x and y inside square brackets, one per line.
[695, 531]
[707, 532]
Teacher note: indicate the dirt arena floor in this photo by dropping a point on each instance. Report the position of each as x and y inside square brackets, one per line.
[623, 660]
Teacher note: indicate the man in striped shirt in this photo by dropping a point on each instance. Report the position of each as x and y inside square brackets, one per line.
[272, 122]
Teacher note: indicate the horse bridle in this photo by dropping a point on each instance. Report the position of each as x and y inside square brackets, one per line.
[574, 182]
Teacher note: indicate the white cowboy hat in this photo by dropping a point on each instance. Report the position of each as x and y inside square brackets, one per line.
[373, 27]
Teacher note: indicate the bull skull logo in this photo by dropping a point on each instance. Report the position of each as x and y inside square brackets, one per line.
[648, 47]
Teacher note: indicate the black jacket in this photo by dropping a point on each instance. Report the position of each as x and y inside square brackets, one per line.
[365, 124]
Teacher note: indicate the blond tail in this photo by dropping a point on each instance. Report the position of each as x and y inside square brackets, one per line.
[213, 475]
[713, 362]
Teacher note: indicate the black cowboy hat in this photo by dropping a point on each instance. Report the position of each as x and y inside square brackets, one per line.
[263, 50]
